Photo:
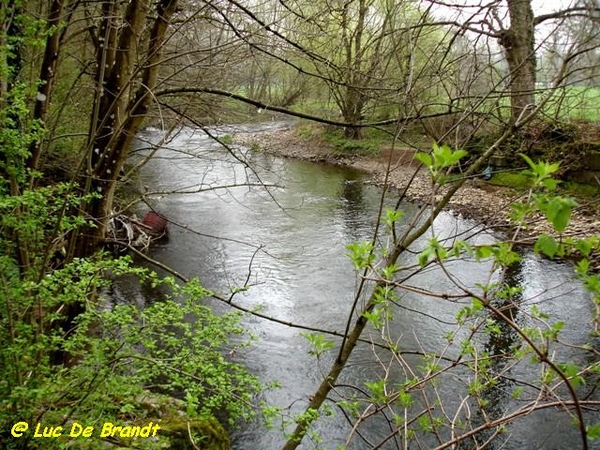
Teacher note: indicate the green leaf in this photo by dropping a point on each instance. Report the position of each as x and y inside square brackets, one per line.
[492, 327]
[405, 399]
[425, 255]
[461, 246]
[456, 156]
[351, 407]
[318, 342]
[483, 252]
[571, 370]
[593, 431]
[504, 254]
[517, 392]
[558, 212]
[547, 245]
[444, 156]
[424, 158]
[542, 170]
[550, 183]
[528, 160]
[377, 389]
[425, 424]
[374, 317]
[392, 216]
[584, 246]
[554, 331]
[389, 271]
[361, 254]
[476, 305]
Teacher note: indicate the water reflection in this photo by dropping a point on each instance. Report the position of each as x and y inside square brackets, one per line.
[497, 359]
[353, 206]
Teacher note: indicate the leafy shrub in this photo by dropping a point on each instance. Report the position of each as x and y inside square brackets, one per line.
[117, 354]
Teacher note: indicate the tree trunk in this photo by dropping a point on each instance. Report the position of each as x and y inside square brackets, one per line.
[519, 44]
[119, 115]
[352, 111]
[47, 73]
[351, 100]
[355, 133]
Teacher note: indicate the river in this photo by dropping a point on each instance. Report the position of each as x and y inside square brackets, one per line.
[287, 240]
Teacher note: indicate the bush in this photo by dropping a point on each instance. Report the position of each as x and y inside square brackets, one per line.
[116, 354]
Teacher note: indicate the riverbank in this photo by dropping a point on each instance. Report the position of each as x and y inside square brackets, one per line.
[476, 199]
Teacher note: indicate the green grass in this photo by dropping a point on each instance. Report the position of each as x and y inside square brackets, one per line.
[521, 182]
[307, 129]
[227, 139]
[515, 180]
[579, 190]
[575, 103]
[316, 107]
[344, 146]
[369, 145]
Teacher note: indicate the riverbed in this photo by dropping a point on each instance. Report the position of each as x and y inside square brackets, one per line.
[279, 229]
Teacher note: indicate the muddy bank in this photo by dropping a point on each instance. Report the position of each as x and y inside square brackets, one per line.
[476, 199]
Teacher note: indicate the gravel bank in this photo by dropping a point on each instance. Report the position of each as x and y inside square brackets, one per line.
[476, 199]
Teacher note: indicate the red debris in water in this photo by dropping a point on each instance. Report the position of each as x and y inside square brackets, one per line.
[156, 223]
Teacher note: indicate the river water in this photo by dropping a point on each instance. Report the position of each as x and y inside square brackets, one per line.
[287, 240]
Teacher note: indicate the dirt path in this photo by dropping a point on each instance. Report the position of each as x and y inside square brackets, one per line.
[476, 199]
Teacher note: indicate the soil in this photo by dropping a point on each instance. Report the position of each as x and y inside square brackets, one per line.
[476, 199]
